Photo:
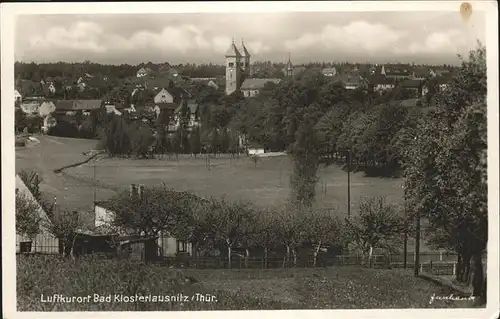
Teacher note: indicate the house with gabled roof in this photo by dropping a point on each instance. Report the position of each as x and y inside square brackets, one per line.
[252, 87]
[17, 96]
[44, 242]
[70, 107]
[143, 72]
[329, 72]
[380, 83]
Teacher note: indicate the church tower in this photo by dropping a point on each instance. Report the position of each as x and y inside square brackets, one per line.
[245, 63]
[289, 67]
[233, 69]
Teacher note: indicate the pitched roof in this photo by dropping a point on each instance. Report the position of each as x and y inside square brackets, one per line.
[23, 189]
[249, 84]
[347, 79]
[410, 103]
[410, 83]
[329, 70]
[75, 105]
[233, 51]
[378, 79]
[244, 50]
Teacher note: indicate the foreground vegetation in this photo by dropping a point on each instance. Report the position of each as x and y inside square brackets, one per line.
[342, 288]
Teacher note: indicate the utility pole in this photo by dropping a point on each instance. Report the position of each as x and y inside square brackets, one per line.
[405, 248]
[94, 185]
[417, 244]
[348, 183]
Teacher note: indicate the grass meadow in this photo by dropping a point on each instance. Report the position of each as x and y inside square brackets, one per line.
[264, 183]
[335, 288]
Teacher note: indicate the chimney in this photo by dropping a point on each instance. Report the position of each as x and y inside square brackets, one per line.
[133, 190]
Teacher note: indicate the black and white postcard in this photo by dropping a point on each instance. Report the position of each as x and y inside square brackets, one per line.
[316, 159]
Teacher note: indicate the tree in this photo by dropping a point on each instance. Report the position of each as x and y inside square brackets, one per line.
[265, 231]
[32, 181]
[20, 120]
[324, 229]
[292, 231]
[376, 226]
[156, 210]
[230, 222]
[195, 141]
[65, 226]
[446, 170]
[28, 218]
[142, 140]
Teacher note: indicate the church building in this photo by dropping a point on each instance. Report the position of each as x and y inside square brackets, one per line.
[238, 73]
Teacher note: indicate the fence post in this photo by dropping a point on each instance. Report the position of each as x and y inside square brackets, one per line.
[421, 267]
[454, 268]
[440, 256]
[431, 267]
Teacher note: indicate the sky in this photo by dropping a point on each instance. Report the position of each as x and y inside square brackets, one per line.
[376, 37]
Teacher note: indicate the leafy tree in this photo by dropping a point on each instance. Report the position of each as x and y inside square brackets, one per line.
[32, 180]
[324, 229]
[376, 226]
[230, 222]
[195, 141]
[142, 140]
[28, 219]
[446, 170]
[66, 226]
[292, 231]
[156, 210]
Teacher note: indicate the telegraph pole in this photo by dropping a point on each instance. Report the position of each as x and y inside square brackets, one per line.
[417, 244]
[405, 248]
[94, 185]
[349, 183]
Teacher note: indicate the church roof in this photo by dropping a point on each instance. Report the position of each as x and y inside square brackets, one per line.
[233, 51]
[289, 65]
[244, 50]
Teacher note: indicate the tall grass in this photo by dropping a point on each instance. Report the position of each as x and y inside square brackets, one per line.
[49, 275]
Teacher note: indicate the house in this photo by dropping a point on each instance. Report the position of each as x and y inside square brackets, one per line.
[421, 73]
[380, 83]
[46, 108]
[396, 71]
[329, 72]
[17, 96]
[163, 97]
[111, 108]
[350, 82]
[439, 72]
[252, 87]
[193, 116]
[31, 107]
[167, 245]
[143, 72]
[44, 242]
[442, 83]
[412, 85]
[70, 107]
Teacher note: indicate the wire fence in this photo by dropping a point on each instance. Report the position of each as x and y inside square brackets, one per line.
[431, 263]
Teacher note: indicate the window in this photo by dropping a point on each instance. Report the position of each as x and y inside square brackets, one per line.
[231, 64]
[181, 246]
[25, 246]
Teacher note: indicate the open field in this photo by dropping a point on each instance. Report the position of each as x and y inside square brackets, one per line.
[336, 288]
[263, 184]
